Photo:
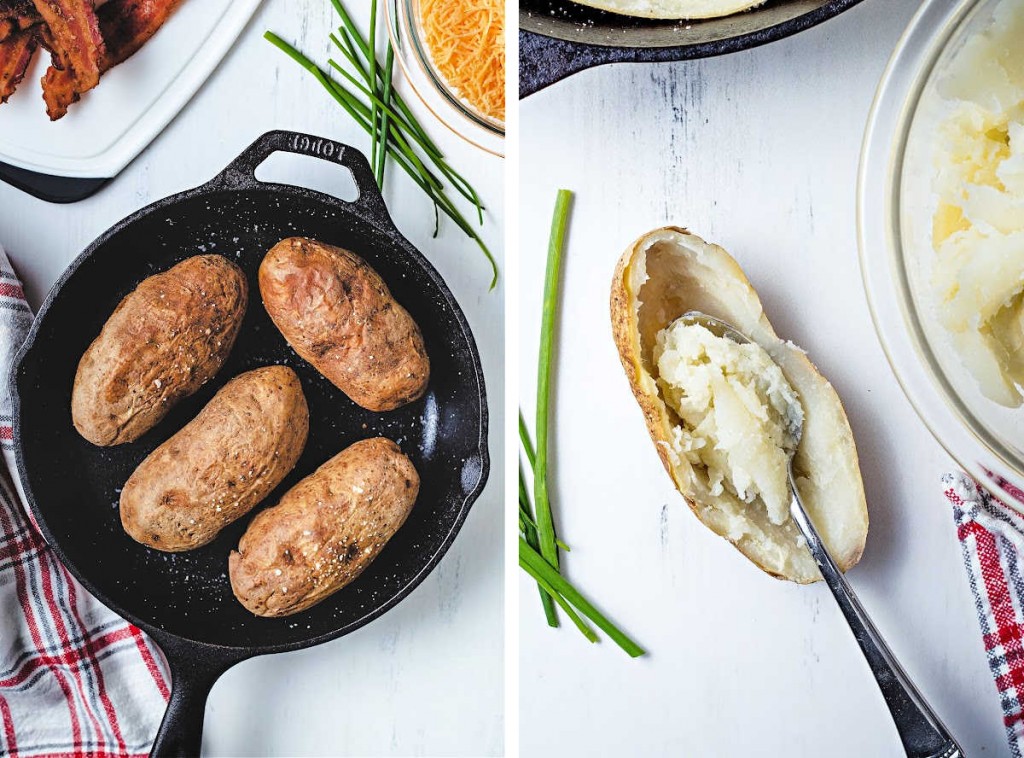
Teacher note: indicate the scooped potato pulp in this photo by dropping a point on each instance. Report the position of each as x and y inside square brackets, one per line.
[739, 417]
[660, 277]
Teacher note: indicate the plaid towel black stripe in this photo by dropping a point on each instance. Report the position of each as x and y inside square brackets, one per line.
[75, 679]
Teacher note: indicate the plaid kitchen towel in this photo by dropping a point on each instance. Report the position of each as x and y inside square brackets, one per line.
[992, 539]
[75, 679]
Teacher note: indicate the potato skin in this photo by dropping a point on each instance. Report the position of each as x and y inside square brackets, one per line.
[338, 314]
[631, 334]
[221, 464]
[325, 531]
[163, 342]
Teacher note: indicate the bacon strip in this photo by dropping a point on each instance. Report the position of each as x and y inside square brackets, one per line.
[16, 16]
[15, 56]
[15, 7]
[76, 47]
[85, 38]
[126, 25]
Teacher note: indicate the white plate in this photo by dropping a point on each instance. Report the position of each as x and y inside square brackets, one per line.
[132, 104]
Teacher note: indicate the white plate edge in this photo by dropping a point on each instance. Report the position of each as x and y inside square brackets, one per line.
[148, 127]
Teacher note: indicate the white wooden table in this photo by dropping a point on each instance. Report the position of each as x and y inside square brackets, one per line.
[425, 679]
[757, 151]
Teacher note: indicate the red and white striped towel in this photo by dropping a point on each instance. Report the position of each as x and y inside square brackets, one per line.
[992, 538]
[75, 679]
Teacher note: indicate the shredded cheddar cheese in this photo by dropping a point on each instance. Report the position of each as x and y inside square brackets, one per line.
[466, 39]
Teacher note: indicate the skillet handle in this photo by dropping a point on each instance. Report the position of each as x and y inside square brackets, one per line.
[241, 172]
[546, 60]
[194, 670]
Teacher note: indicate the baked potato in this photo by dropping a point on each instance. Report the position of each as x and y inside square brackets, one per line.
[338, 314]
[674, 9]
[325, 531]
[223, 463]
[661, 276]
[163, 342]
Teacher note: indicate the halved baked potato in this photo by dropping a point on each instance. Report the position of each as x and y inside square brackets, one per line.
[661, 276]
[676, 9]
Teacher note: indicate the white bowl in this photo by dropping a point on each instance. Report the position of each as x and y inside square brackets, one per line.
[894, 203]
[433, 91]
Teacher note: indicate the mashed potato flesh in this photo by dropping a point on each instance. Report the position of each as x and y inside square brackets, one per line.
[740, 416]
[978, 225]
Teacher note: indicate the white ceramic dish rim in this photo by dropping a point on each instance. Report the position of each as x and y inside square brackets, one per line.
[137, 136]
[878, 237]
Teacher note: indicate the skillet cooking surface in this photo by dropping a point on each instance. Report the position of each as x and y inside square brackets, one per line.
[75, 486]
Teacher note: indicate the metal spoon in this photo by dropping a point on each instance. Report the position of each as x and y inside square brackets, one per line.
[922, 733]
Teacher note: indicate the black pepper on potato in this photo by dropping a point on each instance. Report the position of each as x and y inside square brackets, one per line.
[221, 465]
[325, 530]
[164, 341]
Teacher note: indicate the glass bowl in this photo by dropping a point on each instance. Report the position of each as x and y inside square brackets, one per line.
[445, 105]
[894, 215]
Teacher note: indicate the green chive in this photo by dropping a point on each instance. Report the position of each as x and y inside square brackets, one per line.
[390, 122]
[389, 67]
[545, 522]
[537, 567]
[374, 134]
[548, 591]
[530, 531]
[524, 437]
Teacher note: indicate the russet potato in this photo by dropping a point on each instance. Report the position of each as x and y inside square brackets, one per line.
[164, 341]
[338, 314]
[221, 464]
[325, 530]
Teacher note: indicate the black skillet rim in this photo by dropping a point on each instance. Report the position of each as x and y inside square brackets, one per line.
[724, 46]
[216, 185]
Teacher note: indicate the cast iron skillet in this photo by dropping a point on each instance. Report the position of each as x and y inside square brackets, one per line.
[184, 600]
[558, 38]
